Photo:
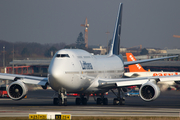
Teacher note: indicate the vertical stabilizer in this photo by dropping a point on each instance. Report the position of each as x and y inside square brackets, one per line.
[135, 67]
[115, 45]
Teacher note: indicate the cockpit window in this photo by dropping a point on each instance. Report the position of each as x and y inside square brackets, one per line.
[58, 55]
[62, 55]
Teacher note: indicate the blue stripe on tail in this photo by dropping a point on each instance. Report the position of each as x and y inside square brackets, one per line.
[115, 45]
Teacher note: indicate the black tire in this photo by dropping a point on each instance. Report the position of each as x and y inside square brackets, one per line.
[60, 101]
[115, 101]
[122, 101]
[105, 101]
[55, 101]
[99, 101]
[65, 101]
[78, 101]
[84, 101]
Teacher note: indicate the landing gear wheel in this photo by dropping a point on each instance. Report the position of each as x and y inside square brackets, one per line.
[84, 101]
[105, 101]
[122, 101]
[119, 102]
[55, 101]
[99, 101]
[78, 101]
[115, 101]
[60, 101]
[62, 97]
[65, 101]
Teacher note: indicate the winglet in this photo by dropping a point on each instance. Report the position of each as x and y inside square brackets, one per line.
[115, 45]
[135, 67]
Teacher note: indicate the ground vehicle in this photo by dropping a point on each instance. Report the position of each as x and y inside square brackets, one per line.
[3, 92]
[132, 92]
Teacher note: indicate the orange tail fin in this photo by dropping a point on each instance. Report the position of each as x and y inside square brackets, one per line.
[135, 67]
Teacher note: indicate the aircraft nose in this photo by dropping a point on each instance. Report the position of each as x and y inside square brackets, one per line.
[54, 74]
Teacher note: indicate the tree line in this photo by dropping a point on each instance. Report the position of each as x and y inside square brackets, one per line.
[33, 50]
[24, 50]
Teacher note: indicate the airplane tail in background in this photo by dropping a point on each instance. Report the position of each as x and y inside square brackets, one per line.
[115, 45]
[135, 67]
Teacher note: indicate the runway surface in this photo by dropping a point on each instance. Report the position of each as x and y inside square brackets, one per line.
[168, 104]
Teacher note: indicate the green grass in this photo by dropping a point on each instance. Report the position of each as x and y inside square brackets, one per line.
[102, 118]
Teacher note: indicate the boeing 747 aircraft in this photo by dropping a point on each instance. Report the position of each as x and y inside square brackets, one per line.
[77, 71]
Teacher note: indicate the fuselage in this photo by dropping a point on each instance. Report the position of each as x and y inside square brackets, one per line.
[152, 73]
[75, 70]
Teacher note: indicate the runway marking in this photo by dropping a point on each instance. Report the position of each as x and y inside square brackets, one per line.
[166, 105]
[6, 99]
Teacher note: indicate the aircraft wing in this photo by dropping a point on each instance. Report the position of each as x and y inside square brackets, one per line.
[125, 82]
[25, 79]
[147, 60]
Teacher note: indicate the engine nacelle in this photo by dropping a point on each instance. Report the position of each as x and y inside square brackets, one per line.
[149, 91]
[17, 90]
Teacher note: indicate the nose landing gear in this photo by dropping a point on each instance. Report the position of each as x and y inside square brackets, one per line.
[62, 98]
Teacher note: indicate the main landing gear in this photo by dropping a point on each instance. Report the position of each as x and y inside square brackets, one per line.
[82, 100]
[120, 100]
[62, 98]
[101, 100]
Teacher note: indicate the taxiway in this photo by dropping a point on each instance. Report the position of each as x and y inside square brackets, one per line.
[167, 104]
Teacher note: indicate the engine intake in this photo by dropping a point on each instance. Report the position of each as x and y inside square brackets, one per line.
[17, 90]
[149, 91]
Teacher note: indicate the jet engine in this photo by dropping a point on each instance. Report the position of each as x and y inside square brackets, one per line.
[149, 91]
[17, 90]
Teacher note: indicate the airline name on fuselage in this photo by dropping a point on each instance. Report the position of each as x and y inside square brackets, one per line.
[86, 66]
[138, 66]
[165, 74]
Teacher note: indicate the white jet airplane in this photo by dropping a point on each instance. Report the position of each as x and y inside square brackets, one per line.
[77, 71]
[137, 70]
